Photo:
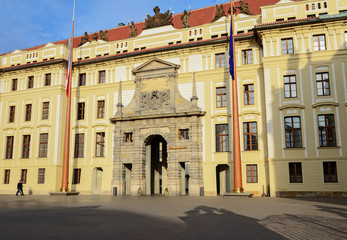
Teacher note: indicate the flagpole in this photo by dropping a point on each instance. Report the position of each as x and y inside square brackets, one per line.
[236, 128]
[65, 175]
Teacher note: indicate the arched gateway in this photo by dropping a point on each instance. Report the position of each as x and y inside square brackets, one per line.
[158, 136]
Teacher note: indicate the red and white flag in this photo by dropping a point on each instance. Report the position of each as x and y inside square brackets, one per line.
[67, 83]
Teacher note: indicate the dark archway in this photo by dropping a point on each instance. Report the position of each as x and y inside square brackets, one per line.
[222, 179]
[156, 165]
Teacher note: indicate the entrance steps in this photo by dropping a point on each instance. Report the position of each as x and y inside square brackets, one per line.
[240, 195]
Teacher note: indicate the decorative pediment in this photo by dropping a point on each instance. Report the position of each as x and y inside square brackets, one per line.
[49, 45]
[156, 92]
[155, 64]
[284, 1]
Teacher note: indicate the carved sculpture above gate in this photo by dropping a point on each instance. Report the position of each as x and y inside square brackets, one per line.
[154, 99]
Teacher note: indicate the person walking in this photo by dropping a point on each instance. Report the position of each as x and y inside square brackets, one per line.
[20, 188]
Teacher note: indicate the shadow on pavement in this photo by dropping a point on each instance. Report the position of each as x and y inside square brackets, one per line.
[93, 222]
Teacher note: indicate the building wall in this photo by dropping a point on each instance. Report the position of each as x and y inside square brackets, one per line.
[195, 49]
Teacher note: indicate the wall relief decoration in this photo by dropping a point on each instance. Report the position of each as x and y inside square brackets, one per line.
[154, 99]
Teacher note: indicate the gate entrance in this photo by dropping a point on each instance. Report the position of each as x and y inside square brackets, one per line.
[156, 165]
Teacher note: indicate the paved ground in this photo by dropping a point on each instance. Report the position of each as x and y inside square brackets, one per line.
[109, 217]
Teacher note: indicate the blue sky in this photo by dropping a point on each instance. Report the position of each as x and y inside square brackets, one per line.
[28, 23]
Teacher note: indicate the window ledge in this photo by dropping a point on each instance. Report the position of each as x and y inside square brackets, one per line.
[320, 104]
[337, 147]
[286, 106]
[294, 148]
[44, 125]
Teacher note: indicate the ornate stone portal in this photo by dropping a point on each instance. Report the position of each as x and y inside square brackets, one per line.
[158, 136]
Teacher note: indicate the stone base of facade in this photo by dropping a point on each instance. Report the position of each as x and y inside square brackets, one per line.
[310, 194]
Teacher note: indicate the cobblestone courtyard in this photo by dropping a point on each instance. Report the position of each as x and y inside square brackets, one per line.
[109, 217]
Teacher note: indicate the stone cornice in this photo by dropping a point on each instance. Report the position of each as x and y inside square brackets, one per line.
[167, 115]
[33, 65]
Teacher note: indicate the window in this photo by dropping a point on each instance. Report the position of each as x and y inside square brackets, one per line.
[250, 136]
[79, 145]
[9, 147]
[101, 76]
[319, 42]
[323, 86]
[23, 175]
[326, 129]
[222, 138]
[220, 60]
[100, 144]
[252, 173]
[80, 111]
[325, 4]
[293, 132]
[76, 179]
[248, 94]
[290, 86]
[7, 176]
[26, 146]
[43, 145]
[41, 177]
[45, 110]
[221, 97]
[330, 171]
[47, 79]
[28, 112]
[128, 137]
[82, 79]
[183, 134]
[31, 82]
[287, 45]
[14, 84]
[12, 113]
[295, 172]
[247, 56]
[101, 108]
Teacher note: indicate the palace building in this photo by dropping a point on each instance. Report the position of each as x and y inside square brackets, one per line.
[152, 104]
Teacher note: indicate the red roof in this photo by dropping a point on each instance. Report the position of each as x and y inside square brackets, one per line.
[197, 17]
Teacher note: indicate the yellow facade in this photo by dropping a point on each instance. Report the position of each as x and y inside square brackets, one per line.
[260, 64]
